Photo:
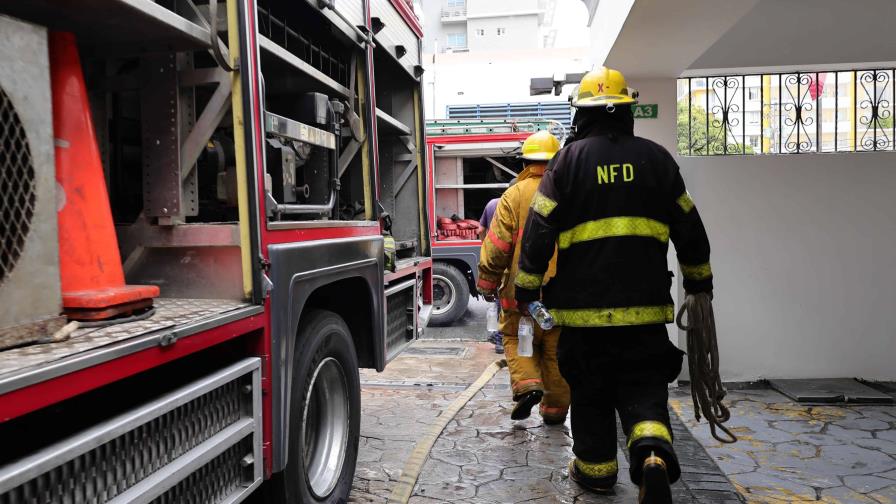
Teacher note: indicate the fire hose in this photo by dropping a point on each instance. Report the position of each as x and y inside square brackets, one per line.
[402, 491]
[707, 390]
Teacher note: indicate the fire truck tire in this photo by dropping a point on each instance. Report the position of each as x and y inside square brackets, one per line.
[325, 413]
[451, 294]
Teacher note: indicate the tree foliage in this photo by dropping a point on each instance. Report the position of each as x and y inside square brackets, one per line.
[699, 145]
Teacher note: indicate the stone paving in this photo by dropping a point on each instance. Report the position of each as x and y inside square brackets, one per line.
[791, 452]
[482, 456]
[787, 452]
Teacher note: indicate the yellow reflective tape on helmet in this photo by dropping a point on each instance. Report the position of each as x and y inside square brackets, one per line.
[649, 429]
[540, 146]
[614, 227]
[542, 204]
[696, 272]
[597, 470]
[605, 317]
[528, 280]
[685, 202]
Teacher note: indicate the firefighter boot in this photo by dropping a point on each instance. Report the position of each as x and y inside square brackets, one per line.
[600, 477]
[655, 482]
[523, 407]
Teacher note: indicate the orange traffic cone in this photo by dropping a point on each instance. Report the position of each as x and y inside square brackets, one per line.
[93, 285]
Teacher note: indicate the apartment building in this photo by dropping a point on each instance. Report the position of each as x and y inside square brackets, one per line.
[487, 25]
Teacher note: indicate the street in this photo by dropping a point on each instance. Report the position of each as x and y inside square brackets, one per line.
[787, 452]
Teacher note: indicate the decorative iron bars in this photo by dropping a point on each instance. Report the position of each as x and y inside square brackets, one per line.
[787, 113]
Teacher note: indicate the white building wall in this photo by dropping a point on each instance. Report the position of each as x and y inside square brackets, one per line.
[802, 252]
[516, 32]
[493, 8]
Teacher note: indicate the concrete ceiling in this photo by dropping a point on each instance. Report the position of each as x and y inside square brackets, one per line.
[661, 38]
[666, 38]
[793, 33]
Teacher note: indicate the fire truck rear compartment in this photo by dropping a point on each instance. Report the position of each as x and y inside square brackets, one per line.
[160, 99]
[397, 128]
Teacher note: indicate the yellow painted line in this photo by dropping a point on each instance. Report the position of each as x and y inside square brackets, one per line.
[411, 471]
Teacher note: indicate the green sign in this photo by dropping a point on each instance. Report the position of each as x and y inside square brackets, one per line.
[649, 111]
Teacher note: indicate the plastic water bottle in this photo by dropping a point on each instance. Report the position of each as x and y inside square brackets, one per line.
[541, 315]
[491, 319]
[525, 333]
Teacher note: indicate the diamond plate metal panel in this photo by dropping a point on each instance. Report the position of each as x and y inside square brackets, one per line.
[169, 313]
[216, 481]
[141, 454]
[399, 320]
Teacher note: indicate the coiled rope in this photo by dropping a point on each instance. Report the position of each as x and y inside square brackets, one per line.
[707, 390]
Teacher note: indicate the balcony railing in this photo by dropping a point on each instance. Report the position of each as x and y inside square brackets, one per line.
[454, 13]
[836, 111]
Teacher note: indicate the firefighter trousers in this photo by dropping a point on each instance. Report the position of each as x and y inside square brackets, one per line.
[539, 372]
[625, 370]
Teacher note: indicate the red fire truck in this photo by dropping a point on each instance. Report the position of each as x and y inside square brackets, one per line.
[194, 201]
[470, 162]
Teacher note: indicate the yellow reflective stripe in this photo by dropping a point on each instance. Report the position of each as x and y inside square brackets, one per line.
[597, 470]
[649, 428]
[542, 204]
[602, 317]
[613, 227]
[697, 271]
[529, 281]
[685, 202]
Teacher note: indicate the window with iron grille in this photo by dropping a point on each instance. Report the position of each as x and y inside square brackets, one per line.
[787, 113]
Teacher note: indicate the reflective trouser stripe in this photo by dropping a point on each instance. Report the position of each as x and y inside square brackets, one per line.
[529, 281]
[603, 317]
[486, 284]
[649, 429]
[552, 411]
[525, 383]
[696, 271]
[597, 469]
[614, 227]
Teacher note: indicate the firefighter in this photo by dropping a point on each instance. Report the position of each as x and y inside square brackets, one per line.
[610, 202]
[533, 379]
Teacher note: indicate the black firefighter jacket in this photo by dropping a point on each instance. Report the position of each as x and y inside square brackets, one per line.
[610, 202]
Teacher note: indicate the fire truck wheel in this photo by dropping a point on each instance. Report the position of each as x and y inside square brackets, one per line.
[450, 294]
[325, 413]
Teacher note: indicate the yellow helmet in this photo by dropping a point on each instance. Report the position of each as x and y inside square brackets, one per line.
[540, 146]
[603, 87]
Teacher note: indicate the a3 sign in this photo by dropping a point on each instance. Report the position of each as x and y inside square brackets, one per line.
[646, 111]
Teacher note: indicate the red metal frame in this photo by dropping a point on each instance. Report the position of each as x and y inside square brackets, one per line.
[25, 400]
[431, 142]
[407, 13]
